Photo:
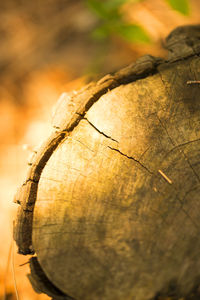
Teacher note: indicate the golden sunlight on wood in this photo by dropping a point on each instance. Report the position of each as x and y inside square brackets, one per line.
[46, 51]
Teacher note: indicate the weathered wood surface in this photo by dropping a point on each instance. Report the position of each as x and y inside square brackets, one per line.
[111, 204]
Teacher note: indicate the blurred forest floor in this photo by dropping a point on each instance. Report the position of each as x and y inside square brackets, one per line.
[46, 49]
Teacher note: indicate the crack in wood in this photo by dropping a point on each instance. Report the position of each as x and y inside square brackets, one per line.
[147, 65]
[181, 151]
[182, 145]
[132, 158]
[101, 132]
[140, 69]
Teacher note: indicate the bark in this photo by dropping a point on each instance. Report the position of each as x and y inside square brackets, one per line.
[111, 203]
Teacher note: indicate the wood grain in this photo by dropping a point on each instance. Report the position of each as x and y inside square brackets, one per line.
[114, 210]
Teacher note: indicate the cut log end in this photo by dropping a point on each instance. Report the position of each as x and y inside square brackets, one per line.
[111, 202]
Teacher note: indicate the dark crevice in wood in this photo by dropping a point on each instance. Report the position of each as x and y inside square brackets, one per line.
[144, 67]
[101, 132]
[132, 158]
[182, 145]
[141, 69]
[176, 146]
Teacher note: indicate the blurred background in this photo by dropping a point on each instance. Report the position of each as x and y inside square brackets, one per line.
[53, 46]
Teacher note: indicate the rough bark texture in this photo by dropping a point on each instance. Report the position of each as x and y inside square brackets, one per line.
[111, 204]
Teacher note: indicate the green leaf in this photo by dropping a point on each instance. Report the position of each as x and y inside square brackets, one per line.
[103, 10]
[133, 33]
[115, 4]
[181, 6]
[98, 8]
[100, 33]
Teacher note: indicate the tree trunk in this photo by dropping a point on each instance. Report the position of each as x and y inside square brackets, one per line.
[111, 204]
